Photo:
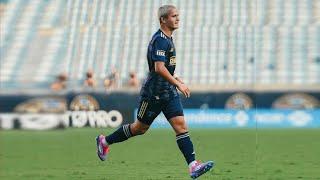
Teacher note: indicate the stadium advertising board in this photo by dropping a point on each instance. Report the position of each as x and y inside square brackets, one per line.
[261, 118]
[85, 110]
[37, 121]
[201, 110]
[43, 113]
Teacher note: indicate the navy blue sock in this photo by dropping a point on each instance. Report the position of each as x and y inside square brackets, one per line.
[186, 146]
[121, 134]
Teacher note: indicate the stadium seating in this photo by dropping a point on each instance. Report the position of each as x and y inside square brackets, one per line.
[239, 42]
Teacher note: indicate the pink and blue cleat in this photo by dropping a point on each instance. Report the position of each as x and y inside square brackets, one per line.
[199, 168]
[102, 148]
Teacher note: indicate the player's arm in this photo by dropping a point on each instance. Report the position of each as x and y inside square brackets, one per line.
[161, 69]
[159, 57]
[178, 78]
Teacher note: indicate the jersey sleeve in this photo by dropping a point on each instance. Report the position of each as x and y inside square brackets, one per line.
[160, 48]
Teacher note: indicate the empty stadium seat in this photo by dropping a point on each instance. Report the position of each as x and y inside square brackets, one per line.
[219, 42]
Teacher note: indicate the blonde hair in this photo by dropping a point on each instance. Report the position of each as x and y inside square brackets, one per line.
[163, 11]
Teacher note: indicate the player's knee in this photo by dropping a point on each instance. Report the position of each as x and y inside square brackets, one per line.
[138, 130]
[144, 130]
[182, 129]
[141, 130]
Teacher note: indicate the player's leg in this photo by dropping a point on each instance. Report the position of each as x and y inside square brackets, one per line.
[183, 139]
[127, 131]
[174, 113]
[147, 112]
[196, 168]
[121, 134]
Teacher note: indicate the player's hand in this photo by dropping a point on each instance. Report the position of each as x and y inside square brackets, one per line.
[184, 89]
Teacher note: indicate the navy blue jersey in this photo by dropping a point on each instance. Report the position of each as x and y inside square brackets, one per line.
[161, 48]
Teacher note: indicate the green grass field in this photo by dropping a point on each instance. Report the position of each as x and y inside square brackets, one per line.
[70, 154]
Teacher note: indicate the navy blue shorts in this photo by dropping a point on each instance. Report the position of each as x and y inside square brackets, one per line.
[150, 109]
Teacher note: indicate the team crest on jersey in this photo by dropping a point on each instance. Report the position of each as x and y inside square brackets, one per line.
[161, 53]
[172, 61]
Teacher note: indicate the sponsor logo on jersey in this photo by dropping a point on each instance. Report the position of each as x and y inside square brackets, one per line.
[161, 53]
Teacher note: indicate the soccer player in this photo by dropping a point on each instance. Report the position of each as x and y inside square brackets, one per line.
[159, 93]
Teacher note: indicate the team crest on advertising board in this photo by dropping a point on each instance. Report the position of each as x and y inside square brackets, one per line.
[42, 105]
[84, 103]
[296, 101]
[239, 101]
